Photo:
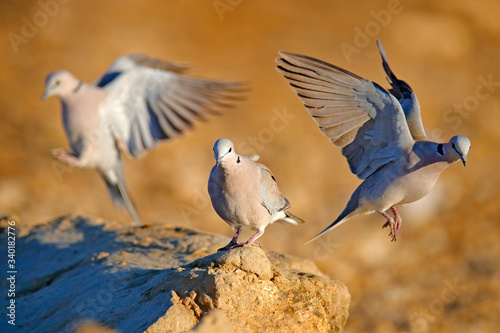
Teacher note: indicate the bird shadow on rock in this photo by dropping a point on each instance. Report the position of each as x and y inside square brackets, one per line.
[76, 268]
[158, 278]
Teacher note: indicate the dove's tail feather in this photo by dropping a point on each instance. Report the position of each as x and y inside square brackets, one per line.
[352, 209]
[291, 219]
[119, 194]
[341, 219]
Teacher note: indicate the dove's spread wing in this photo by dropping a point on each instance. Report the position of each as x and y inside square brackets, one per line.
[271, 196]
[356, 114]
[150, 100]
[406, 97]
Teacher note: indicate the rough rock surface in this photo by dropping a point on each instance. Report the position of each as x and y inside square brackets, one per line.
[159, 278]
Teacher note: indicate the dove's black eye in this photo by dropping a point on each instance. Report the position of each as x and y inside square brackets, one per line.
[440, 149]
[58, 82]
[230, 149]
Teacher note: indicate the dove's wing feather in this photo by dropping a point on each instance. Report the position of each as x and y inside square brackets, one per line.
[406, 97]
[270, 194]
[357, 115]
[150, 100]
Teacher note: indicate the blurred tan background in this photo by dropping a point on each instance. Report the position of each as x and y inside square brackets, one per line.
[442, 275]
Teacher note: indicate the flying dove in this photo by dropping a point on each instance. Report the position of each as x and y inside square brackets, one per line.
[380, 133]
[138, 102]
[245, 194]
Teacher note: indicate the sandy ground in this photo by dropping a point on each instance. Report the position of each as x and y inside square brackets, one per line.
[442, 273]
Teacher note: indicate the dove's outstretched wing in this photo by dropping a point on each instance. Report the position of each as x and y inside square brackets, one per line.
[151, 100]
[406, 97]
[357, 115]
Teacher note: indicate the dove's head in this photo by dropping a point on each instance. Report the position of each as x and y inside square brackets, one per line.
[223, 149]
[60, 83]
[458, 148]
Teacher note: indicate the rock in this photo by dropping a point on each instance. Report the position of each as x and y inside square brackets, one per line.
[160, 278]
[7, 221]
[214, 321]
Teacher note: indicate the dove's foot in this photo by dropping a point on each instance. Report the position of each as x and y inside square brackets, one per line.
[397, 219]
[226, 248]
[394, 224]
[65, 157]
[233, 244]
[394, 231]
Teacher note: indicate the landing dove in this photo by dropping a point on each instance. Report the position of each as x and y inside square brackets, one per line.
[380, 133]
[245, 194]
[138, 102]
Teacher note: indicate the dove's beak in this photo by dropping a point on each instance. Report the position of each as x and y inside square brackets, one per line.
[45, 95]
[219, 160]
[463, 158]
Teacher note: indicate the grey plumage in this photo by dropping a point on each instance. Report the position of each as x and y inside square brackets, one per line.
[137, 103]
[379, 132]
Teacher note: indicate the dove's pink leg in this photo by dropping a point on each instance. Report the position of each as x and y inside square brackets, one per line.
[397, 218]
[232, 243]
[390, 222]
[65, 157]
[253, 238]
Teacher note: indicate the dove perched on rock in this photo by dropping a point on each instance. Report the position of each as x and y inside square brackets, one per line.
[245, 194]
[380, 133]
[138, 102]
